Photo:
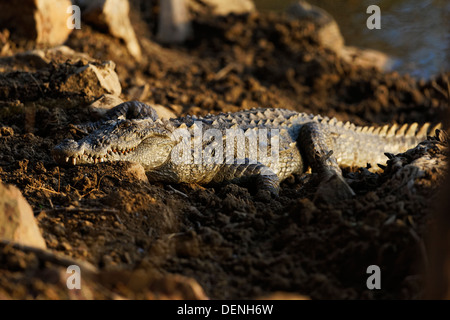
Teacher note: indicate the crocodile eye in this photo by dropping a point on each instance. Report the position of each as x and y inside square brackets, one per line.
[125, 124]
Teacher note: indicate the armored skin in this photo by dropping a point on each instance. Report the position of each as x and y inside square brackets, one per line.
[260, 145]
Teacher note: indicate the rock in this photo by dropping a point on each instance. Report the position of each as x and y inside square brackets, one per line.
[6, 132]
[112, 16]
[5, 47]
[139, 93]
[94, 76]
[43, 21]
[175, 286]
[17, 222]
[61, 54]
[330, 37]
[328, 30]
[56, 71]
[34, 60]
[163, 112]
[100, 106]
[174, 24]
[41, 58]
[223, 8]
[367, 58]
[137, 172]
[176, 108]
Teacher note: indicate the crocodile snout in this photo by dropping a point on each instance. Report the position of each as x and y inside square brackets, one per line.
[66, 152]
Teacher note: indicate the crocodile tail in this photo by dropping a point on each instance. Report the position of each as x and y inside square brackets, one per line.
[398, 139]
[406, 136]
[358, 146]
[415, 131]
[395, 131]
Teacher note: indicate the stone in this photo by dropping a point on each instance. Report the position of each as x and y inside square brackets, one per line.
[139, 93]
[43, 21]
[175, 287]
[61, 54]
[17, 221]
[68, 71]
[112, 16]
[174, 24]
[367, 58]
[223, 8]
[41, 58]
[328, 30]
[94, 76]
[6, 132]
[329, 36]
[36, 59]
[107, 101]
[5, 47]
[163, 112]
[137, 172]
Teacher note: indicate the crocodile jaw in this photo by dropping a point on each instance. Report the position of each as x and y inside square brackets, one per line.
[150, 152]
[72, 152]
[139, 140]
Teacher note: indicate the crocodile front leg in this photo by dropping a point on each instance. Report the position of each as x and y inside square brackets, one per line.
[316, 147]
[258, 174]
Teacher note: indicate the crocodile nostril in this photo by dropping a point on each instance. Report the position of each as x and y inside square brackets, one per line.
[68, 148]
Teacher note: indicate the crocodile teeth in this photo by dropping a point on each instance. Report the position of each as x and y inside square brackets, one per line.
[67, 159]
[74, 161]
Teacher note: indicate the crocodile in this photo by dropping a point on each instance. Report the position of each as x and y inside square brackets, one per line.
[133, 132]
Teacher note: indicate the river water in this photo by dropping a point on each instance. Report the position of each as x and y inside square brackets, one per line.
[415, 33]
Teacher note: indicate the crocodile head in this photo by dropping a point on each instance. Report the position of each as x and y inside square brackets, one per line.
[144, 141]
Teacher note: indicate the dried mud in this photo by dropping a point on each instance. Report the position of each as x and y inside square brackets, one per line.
[151, 240]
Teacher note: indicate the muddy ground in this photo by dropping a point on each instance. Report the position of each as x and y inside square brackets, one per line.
[159, 240]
